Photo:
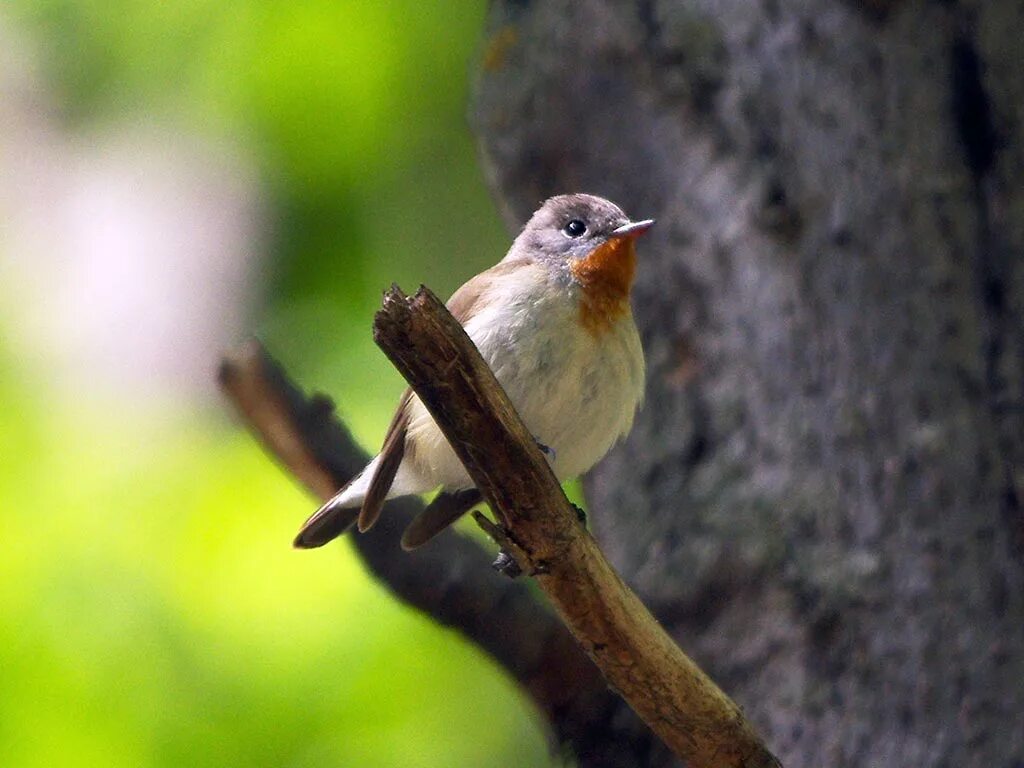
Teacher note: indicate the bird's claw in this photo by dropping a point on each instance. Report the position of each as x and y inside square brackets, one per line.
[546, 450]
[505, 564]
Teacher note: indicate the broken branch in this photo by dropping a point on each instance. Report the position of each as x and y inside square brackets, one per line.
[697, 721]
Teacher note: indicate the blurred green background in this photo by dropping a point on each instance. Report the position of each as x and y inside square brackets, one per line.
[172, 177]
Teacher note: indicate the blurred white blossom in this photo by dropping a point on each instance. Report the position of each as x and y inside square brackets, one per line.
[127, 254]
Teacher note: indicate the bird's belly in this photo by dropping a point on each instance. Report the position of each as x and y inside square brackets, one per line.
[579, 394]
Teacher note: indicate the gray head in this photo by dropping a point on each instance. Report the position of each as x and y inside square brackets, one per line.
[567, 228]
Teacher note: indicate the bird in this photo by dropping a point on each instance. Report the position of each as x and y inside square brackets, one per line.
[554, 322]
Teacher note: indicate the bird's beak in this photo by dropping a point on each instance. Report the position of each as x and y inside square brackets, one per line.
[632, 229]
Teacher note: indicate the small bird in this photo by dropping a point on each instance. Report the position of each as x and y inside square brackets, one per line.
[553, 321]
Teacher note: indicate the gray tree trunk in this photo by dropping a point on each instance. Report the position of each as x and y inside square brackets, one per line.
[822, 498]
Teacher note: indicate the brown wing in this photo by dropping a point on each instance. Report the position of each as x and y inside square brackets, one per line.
[445, 509]
[391, 455]
[463, 303]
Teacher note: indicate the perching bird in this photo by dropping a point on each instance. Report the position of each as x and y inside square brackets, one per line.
[553, 321]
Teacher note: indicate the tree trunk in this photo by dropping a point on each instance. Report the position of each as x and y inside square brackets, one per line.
[822, 498]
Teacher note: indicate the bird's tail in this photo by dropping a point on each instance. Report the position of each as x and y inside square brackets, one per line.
[339, 513]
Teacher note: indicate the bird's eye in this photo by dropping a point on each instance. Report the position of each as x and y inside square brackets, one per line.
[574, 228]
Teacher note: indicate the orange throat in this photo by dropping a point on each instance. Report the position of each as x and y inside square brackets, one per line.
[606, 276]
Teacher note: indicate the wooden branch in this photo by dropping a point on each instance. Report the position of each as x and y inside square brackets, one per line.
[671, 694]
[275, 410]
[450, 580]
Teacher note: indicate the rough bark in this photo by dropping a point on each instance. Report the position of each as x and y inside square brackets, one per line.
[823, 494]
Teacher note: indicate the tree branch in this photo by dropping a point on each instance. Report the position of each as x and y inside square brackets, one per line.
[450, 579]
[671, 694]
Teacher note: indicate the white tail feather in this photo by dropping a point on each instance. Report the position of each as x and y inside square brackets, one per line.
[407, 481]
[354, 493]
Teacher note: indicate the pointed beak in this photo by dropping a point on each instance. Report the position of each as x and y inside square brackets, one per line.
[633, 229]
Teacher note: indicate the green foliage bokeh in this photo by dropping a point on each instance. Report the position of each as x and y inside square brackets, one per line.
[152, 612]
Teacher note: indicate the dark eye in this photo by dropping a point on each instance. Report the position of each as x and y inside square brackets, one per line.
[575, 228]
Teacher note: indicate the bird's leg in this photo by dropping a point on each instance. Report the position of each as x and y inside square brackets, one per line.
[552, 456]
[504, 563]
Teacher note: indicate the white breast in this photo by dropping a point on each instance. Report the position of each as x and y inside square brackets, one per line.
[577, 393]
